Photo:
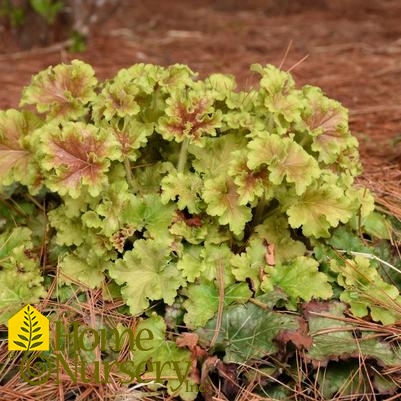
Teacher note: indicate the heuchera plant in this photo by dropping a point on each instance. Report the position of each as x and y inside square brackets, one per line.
[169, 187]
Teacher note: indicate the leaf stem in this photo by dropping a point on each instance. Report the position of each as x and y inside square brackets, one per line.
[183, 155]
[34, 201]
[259, 212]
[304, 140]
[219, 318]
[258, 303]
[128, 172]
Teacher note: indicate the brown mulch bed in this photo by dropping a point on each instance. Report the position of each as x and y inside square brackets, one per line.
[351, 49]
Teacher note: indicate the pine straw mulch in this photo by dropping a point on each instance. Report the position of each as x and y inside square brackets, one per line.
[220, 381]
[384, 180]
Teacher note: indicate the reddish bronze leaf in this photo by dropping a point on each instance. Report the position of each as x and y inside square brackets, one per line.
[12, 154]
[15, 156]
[79, 154]
[300, 337]
[191, 118]
[63, 90]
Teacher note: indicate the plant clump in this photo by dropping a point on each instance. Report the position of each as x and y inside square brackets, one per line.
[157, 186]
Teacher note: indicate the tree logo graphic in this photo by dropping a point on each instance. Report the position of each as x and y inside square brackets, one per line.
[28, 330]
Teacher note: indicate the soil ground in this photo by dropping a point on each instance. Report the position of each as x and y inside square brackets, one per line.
[349, 48]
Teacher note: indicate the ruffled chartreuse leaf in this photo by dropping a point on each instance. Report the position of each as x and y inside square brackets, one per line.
[214, 269]
[107, 215]
[273, 80]
[63, 91]
[275, 231]
[220, 86]
[242, 102]
[319, 208]
[251, 184]
[69, 231]
[132, 135]
[117, 99]
[20, 272]
[124, 95]
[192, 233]
[376, 225]
[203, 301]
[148, 214]
[251, 263]
[300, 279]
[216, 263]
[86, 265]
[365, 200]
[280, 98]
[366, 291]
[367, 219]
[216, 153]
[148, 272]
[185, 189]
[147, 178]
[190, 263]
[77, 156]
[327, 121]
[201, 305]
[284, 159]
[148, 77]
[223, 201]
